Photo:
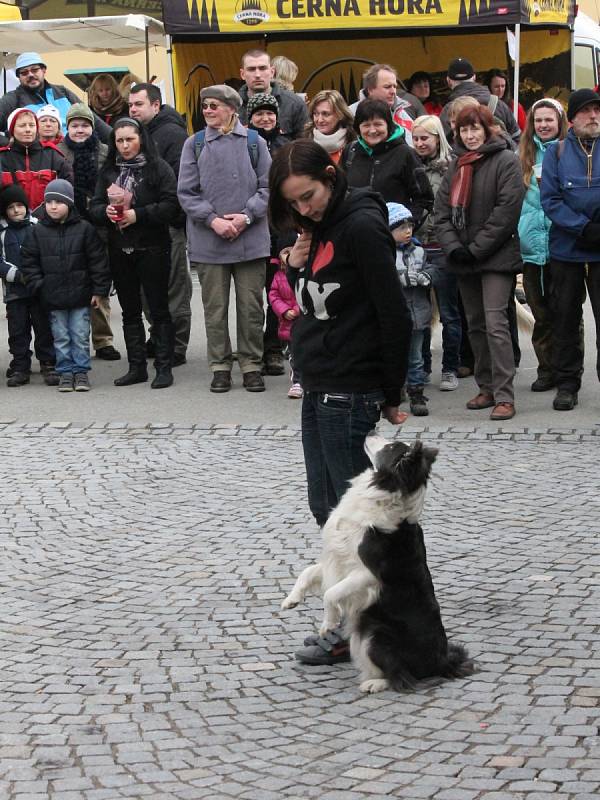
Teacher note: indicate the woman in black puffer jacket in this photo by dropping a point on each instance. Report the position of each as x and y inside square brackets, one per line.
[381, 160]
[139, 244]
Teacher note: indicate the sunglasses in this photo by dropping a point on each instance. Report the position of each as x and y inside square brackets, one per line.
[212, 106]
[30, 71]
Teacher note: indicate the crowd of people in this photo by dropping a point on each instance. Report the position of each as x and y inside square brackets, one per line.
[468, 207]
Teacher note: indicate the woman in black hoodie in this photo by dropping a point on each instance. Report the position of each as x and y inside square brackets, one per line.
[351, 341]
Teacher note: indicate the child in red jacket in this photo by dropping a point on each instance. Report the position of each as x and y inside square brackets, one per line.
[283, 302]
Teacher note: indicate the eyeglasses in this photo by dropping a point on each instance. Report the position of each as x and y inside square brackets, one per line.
[212, 106]
[30, 71]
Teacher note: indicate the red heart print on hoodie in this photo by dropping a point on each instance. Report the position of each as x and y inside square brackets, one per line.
[323, 256]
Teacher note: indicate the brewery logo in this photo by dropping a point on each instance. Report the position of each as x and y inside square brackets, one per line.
[251, 12]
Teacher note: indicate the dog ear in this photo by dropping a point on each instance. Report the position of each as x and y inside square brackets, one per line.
[416, 466]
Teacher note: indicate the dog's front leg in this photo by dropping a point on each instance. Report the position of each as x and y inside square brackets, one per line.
[336, 598]
[309, 578]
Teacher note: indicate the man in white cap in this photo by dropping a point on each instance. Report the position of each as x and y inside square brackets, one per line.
[34, 92]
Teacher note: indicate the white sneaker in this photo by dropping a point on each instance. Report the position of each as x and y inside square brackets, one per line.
[295, 392]
[449, 382]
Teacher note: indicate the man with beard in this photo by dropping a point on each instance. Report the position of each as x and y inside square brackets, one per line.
[570, 195]
[35, 92]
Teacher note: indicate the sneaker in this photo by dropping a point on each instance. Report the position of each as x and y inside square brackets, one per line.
[65, 382]
[295, 392]
[273, 364]
[564, 400]
[253, 381]
[108, 353]
[18, 379]
[449, 382]
[221, 381]
[418, 401]
[325, 650]
[81, 382]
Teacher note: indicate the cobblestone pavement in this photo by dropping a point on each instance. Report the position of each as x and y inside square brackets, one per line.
[143, 653]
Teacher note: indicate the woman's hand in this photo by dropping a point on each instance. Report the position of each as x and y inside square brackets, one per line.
[394, 415]
[128, 218]
[299, 253]
[224, 228]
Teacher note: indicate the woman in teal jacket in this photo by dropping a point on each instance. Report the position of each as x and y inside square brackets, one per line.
[546, 123]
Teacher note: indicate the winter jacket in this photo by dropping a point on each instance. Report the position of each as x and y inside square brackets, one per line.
[282, 299]
[534, 225]
[155, 205]
[569, 199]
[169, 133]
[435, 169]
[354, 331]
[274, 139]
[65, 262]
[292, 115]
[482, 95]
[223, 181]
[393, 169]
[12, 236]
[70, 159]
[493, 214]
[33, 167]
[415, 278]
[52, 94]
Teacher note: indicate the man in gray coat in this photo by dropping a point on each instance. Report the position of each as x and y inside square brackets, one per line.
[224, 193]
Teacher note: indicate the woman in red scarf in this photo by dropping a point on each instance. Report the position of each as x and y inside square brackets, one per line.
[477, 211]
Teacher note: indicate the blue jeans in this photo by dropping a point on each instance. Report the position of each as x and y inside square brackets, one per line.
[71, 333]
[416, 374]
[445, 286]
[334, 429]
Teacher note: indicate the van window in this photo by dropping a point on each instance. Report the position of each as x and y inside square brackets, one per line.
[585, 73]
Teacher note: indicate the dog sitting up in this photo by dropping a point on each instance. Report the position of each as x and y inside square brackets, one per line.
[374, 573]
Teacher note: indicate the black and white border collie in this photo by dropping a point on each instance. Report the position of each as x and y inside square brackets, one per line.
[374, 577]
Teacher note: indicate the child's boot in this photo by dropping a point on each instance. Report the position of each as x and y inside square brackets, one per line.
[49, 374]
[418, 401]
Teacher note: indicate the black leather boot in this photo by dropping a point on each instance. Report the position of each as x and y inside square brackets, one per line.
[135, 342]
[164, 340]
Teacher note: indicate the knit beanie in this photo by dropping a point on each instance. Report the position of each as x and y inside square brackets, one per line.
[80, 111]
[553, 102]
[14, 115]
[580, 99]
[12, 194]
[397, 214]
[262, 101]
[60, 190]
[49, 111]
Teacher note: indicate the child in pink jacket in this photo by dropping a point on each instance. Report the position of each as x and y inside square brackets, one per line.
[283, 302]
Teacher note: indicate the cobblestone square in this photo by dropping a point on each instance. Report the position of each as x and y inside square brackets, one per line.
[144, 654]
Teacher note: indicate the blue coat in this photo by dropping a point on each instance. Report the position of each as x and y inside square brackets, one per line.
[570, 200]
[534, 225]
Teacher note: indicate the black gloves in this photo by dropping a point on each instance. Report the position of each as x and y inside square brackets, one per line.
[463, 256]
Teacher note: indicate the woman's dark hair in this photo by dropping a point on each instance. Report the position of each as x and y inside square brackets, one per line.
[301, 157]
[480, 115]
[148, 148]
[500, 73]
[373, 109]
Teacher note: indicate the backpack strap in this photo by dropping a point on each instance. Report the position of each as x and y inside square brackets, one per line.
[252, 142]
[350, 156]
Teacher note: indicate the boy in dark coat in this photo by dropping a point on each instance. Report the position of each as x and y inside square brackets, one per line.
[23, 312]
[65, 260]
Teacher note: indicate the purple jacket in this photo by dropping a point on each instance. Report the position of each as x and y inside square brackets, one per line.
[282, 299]
[223, 181]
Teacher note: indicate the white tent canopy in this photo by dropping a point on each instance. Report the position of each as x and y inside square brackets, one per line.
[121, 35]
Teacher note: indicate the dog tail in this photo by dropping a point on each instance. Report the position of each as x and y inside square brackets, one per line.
[458, 662]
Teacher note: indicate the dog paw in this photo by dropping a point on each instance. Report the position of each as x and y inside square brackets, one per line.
[327, 625]
[289, 602]
[374, 685]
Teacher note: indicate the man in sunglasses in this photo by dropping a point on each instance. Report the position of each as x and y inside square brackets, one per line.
[35, 91]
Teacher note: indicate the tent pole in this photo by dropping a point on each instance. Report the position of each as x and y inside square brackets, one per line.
[146, 37]
[169, 43]
[516, 75]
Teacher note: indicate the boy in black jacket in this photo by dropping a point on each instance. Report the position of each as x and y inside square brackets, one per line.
[23, 312]
[65, 260]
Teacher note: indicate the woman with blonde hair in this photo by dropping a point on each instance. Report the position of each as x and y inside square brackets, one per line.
[331, 122]
[106, 100]
[546, 123]
[431, 146]
[285, 72]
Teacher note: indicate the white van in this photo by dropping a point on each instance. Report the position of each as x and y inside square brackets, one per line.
[586, 53]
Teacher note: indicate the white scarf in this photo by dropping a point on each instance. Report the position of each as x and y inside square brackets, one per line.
[332, 142]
